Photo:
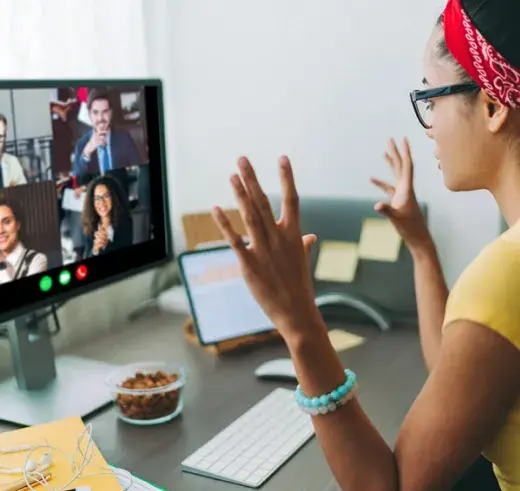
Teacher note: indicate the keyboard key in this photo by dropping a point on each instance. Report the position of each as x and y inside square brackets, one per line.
[256, 444]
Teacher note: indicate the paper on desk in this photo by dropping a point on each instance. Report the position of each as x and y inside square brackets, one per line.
[379, 240]
[337, 261]
[70, 202]
[343, 340]
[62, 434]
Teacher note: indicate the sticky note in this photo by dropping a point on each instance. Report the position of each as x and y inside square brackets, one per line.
[379, 240]
[343, 340]
[337, 261]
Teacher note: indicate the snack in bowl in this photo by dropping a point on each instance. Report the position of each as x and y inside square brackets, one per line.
[148, 393]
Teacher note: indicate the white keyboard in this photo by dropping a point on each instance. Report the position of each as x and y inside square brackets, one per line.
[256, 444]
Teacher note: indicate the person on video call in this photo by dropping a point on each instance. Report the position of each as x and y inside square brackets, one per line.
[104, 148]
[12, 173]
[107, 223]
[16, 260]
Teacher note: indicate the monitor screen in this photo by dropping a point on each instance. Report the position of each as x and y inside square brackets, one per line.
[222, 306]
[82, 187]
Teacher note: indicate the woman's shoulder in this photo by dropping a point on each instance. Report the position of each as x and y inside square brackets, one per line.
[32, 254]
[39, 257]
[36, 261]
[500, 260]
[488, 290]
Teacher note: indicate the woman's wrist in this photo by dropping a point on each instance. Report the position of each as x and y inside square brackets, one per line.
[316, 362]
[423, 249]
[302, 328]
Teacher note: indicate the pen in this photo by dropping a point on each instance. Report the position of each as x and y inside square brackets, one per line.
[21, 484]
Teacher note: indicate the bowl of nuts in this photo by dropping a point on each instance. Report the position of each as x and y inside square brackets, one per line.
[148, 393]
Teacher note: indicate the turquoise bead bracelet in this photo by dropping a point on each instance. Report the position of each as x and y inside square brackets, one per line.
[331, 401]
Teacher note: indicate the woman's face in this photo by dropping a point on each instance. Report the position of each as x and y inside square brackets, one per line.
[464, 147]
[9, 229]
[102, 201]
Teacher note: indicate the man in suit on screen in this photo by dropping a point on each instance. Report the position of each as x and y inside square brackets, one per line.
[104, 148]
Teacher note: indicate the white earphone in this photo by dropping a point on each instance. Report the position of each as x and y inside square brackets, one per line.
[33, 469]
[30, 466]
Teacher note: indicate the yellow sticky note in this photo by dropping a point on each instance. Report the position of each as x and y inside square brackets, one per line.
[379, 240]
[343, 340]
[337, 261]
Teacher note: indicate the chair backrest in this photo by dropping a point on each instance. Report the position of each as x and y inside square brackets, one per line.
[389, 285]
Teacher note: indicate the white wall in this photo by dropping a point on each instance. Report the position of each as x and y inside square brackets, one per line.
[325, 82]
[78, 39]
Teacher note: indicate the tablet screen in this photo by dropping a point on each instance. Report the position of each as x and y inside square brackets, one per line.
[222, 306]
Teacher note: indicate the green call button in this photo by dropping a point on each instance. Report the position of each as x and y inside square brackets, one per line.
[45, 283]
[64, 277]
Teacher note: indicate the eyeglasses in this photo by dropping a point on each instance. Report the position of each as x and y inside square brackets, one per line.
[422, 104]
[102, 197]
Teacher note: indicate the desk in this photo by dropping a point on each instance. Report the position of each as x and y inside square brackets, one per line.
[389, 367]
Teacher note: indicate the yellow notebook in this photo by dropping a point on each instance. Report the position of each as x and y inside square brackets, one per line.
[62, 434]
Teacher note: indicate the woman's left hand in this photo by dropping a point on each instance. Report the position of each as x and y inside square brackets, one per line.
[275, 264]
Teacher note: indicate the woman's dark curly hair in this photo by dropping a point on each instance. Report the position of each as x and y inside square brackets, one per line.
[120, 211]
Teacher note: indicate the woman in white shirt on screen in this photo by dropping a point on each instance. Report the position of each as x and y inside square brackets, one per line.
[16, 260]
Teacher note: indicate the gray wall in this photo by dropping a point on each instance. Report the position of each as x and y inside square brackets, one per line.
[6, 110]
[30, 113]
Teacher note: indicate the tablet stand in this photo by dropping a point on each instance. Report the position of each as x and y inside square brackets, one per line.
[231, 345]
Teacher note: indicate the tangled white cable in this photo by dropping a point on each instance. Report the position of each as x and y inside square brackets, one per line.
[33, 470]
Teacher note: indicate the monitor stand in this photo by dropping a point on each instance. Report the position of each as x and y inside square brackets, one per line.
[46, 388]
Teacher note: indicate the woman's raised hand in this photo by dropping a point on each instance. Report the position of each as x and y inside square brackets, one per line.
[402, 207]
[275, 263]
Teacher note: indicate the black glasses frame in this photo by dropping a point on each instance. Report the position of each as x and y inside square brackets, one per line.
[421, 95]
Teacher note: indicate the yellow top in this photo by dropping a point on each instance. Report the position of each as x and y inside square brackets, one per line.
[488, 292]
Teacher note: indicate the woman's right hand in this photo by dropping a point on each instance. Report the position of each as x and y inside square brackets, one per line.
[402, 207]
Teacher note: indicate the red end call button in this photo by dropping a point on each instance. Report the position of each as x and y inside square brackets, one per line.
[81, 272]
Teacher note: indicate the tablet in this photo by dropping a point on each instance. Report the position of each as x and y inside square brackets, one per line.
[220, 302]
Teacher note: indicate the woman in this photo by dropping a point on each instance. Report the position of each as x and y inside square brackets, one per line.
[470, 404]
[107, 223]
[16, 260]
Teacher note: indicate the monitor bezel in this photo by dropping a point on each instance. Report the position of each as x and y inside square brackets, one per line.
[163, 249]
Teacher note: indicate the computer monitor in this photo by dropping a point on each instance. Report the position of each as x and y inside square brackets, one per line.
[83, 203]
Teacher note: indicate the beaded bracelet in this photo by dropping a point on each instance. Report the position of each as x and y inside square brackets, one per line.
[328, 402]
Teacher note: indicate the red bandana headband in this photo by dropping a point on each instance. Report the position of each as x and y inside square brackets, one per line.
[481, 61]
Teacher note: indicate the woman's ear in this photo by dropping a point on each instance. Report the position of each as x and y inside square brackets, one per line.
[496, 113]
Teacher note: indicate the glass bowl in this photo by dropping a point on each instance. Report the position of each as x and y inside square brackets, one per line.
[147, 393]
